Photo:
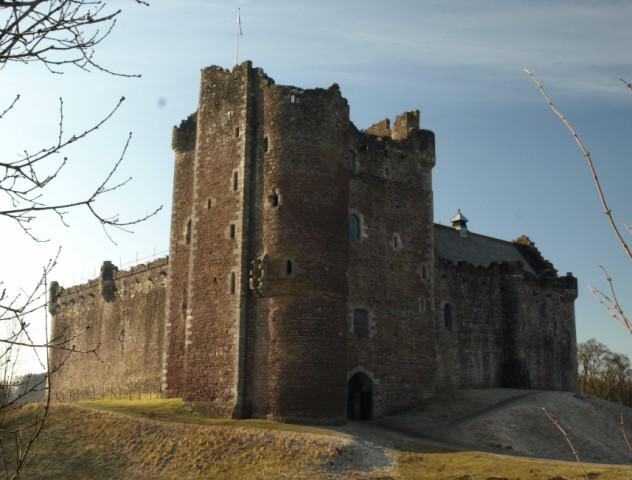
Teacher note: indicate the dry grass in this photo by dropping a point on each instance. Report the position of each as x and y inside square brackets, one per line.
[160, 439]
[465, 465]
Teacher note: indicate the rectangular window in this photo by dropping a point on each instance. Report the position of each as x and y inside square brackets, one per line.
[235, 181]
[232, 231]
[361, 323]
[232, 283]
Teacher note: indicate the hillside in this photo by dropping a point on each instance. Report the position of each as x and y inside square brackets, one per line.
[159, 439]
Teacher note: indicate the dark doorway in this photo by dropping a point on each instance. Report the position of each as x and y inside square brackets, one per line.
[360, 401]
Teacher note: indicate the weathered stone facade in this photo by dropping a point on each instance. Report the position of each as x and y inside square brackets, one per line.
[307, 280]
[122, 315]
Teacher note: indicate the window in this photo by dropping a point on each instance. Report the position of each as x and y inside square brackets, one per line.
[274, 198]
[209, 204]
[351, 161]
[236, 132]
[289, 267]
[232, 283]
[354, 227]
[293, 98]
[397, 241]
[187, 235]
[361, 323]
[447, 316]
[235, 181]
[231, 231]
[265, 144]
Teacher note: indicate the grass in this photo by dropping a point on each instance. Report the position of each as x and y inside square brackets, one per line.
[173, 410]
[161, 440]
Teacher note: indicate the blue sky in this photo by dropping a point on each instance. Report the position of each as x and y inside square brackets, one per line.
[502, 157]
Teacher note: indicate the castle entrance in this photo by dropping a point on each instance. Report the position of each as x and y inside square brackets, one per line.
[360, 400]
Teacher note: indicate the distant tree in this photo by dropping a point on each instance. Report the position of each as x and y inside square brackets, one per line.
[604, 373]
[55, 34]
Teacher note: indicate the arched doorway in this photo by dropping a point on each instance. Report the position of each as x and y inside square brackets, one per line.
[360, 400]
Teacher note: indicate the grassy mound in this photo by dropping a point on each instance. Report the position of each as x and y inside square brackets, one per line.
[160, 439]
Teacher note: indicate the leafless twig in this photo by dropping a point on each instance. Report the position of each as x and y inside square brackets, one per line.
[602, 198]
[611, 303]
[557, 425]
[625, 435]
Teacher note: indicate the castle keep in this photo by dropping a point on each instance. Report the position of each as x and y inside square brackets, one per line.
[306, 279]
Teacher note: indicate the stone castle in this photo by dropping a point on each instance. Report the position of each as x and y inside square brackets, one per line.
[306, 280]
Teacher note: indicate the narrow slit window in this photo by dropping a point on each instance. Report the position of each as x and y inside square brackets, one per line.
[289, 268]
[232, 231]
[351, 161]
[447, 316]
[354, 227]
[265, 144]
[397, 241]
[187, 235]
[232, 283]
[236, 132]
[361, 323]
[209, 204]
[274, 198]
[235, 181]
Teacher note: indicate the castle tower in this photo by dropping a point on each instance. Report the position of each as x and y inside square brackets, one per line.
[259, 305]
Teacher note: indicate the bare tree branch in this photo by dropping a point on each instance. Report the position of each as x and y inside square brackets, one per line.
[602, 198]
[568, 440]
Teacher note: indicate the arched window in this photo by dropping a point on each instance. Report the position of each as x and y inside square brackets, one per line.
[360, 323]
[354, 227]
[351, 161]
[447, 316]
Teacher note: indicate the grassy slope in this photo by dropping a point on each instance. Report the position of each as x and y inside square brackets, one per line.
[159, 439]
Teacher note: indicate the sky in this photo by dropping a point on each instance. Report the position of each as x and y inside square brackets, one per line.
[502, 156]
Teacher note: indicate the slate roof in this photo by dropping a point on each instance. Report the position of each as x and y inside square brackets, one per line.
[476, 249]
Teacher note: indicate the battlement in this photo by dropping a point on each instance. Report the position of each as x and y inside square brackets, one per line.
[183, 136]
[404, 124]
[106, 284]
[566, 283]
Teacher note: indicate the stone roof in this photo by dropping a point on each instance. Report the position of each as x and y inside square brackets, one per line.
[476, 249]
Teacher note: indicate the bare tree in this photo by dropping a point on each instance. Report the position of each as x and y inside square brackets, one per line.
[55, 34]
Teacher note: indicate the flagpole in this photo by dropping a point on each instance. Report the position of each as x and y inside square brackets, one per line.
[238, 33]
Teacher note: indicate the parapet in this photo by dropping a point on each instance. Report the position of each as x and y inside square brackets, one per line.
[54, 290]
[541, 265]
[403, 125]
[108, 281]
[183, 137]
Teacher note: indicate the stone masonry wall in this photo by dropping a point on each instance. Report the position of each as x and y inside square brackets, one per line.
[183, 144]
[124, 321]
[506, 328]
[300, 308]
[391, 265]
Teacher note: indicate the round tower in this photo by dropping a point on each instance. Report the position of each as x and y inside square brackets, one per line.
[304, 238]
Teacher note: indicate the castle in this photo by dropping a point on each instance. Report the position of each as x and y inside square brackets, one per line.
[306, 280]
